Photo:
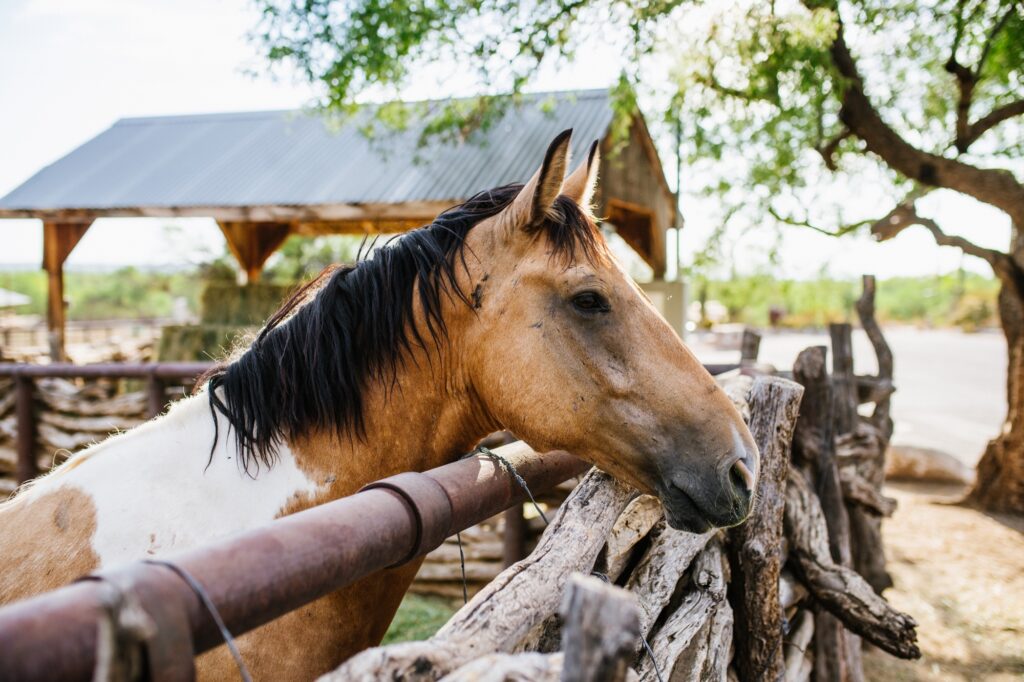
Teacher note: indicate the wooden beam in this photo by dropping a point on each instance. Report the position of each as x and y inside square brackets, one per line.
[638, 227]
[361, 227]
[269, 213]
[58, 241]
[253, 243]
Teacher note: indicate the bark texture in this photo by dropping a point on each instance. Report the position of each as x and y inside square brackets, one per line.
[755, 547]
[601, 631]
[841, 591]
[1000, 482]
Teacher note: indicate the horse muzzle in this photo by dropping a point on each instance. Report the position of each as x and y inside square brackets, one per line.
[697, 504]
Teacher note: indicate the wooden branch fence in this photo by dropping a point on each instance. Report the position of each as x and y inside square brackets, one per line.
[789, 595]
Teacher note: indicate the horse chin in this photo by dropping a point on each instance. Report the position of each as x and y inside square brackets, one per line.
[682, 513]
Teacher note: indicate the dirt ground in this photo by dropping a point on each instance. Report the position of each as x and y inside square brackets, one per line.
[960, 574]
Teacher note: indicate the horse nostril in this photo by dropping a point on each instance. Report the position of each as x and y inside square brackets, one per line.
[741, 477]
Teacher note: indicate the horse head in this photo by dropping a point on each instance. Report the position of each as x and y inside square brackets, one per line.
[568, 353]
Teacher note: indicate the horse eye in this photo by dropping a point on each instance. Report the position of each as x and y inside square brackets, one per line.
[590, 302]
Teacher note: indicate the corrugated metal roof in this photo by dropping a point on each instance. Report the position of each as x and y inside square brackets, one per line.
[296, 158]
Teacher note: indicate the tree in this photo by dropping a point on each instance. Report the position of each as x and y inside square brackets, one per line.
[782, 106]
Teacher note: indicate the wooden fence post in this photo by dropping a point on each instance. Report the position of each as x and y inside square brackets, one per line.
[156, 395]
[601, 631]
[25, 423]
[844, 386]
[750, 346]
[755, 547]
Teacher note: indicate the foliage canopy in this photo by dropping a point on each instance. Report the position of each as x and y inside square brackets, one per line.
[760, 92]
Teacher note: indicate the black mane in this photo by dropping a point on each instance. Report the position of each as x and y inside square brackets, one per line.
[354, 325]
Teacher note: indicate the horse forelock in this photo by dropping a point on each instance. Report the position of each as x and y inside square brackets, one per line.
[310, 365]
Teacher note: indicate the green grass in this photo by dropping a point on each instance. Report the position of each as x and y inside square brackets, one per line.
[418, 618]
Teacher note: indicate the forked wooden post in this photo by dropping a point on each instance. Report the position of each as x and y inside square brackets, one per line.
[755, 547]
[601, 631]
[868, 475]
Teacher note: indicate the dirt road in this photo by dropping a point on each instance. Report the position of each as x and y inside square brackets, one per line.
[950, 386]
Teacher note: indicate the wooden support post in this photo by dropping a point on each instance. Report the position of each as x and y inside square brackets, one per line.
[155, 395]
[25, 423]
[750, 346]
[755, 546]
[844, 386]
[514, 541]
[58, 241]
[253, 243]
[601, 631]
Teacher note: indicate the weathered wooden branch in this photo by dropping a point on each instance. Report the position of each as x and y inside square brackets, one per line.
[791, 591]
[859, 445]
[814, 445]
[797, 643]
[844, 386]
[871, 389]
[754, 548]
[695, 640]
[837, 657]
[528, 667]
[656, 576]
[635, 523]
[856, 489]
[840, 590]
[866, 313]
[601, 631]
[521, 597]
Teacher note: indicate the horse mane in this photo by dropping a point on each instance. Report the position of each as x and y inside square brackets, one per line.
[350, 326]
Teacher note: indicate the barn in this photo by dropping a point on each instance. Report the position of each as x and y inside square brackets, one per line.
[264, 176]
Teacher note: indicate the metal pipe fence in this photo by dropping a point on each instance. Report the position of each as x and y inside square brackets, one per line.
[263, 573]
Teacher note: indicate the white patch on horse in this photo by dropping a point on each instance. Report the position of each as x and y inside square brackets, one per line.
[154, 493]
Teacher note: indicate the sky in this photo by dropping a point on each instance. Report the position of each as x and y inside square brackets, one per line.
[72, 68]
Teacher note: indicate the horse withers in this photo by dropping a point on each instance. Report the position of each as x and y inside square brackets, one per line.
[507, 312]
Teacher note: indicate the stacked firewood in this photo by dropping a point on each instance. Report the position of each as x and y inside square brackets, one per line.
[69, 416]
[763, 601]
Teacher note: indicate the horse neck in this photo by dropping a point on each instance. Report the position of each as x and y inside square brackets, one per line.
[426, 417]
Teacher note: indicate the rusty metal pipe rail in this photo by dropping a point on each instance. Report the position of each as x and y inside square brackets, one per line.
[107, 370]
[262, 574]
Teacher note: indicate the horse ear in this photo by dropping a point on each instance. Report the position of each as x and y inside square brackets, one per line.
[582, 182]
[537, 197]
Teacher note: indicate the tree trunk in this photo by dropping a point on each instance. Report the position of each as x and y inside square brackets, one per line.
[1000, 483]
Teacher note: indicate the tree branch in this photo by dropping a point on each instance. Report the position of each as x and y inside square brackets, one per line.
[838, 232]
[828, 150]
[905, 215]
[996, 30]
[965, 81]
[992, 186]
[987, 122]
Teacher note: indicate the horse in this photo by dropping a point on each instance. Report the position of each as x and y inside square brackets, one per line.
[508, 312]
